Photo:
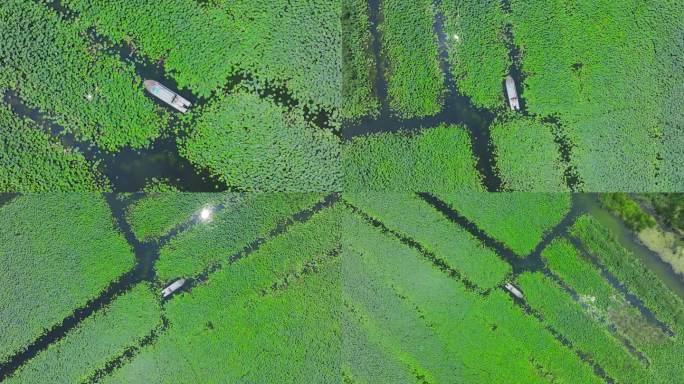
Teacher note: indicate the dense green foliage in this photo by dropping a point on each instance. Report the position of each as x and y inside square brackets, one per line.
[668, 45]
[478, 57]
[332, 296]
[628, 210]
[630, 271]
[58, 251]
[243, 220]
[518, 220]
[612, 72]
[434, 159]
[412, 217]
[30, 161]
[415, 83]
[438, 331]
[527, 156]
[669, 206]
[261, 319]
[568, 318]
[102, 336]
[358, 65]
[254, 144]
[366, 358]
[156, 214]
[292, 42]
[565, 261]
[598, 298]
[54, 68]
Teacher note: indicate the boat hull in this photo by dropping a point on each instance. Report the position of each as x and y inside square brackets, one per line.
[166, 95]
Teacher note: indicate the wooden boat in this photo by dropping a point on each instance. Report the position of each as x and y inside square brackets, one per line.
[512, 93]
[166, 95]
[176, 285]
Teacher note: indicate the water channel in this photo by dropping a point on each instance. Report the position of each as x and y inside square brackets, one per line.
[628, 239]
[129, 170]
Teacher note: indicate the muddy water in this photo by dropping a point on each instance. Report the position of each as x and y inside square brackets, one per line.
[628, 239]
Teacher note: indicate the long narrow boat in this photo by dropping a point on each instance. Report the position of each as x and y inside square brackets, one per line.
[514, 290]
[512, 93]
[166, 95]
[176, 285]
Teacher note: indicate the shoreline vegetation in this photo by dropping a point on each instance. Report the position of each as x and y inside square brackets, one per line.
[655, 222]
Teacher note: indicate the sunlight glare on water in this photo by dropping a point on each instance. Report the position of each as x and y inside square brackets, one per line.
[205, 214]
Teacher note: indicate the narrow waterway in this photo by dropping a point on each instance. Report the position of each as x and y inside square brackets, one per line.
[146, 255]
[439, 263]
[457, 109]
[279, 229]
[128, 170]
[629, 241]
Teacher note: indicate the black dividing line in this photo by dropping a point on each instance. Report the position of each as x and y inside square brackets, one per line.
[515, 69]
[570, 174]
[118, 208]
[617, 285]
[518, 263]
[129, 169]
[438, 262]
[129, 353]
[123, 284]
[146, 254]
[559, 229]
[57, 133]
[299, 217]
[278, 93]
[584, 356]
[611, 328]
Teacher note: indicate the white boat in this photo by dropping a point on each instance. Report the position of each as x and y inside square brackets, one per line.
[512, 93]
[173, 287]
[514, 290]
[166, 95]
